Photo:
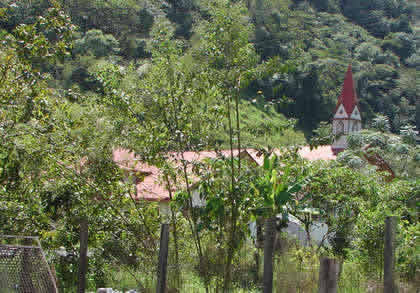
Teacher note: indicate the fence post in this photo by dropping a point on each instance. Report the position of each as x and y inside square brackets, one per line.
[83, 260]
[269, 239]
[328, 275]
[389, 255]
[163, 258]
[164, 247]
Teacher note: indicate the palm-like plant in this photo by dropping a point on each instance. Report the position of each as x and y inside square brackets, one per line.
[281, 179]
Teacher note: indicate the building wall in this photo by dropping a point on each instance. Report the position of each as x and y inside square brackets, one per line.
[196, 200]
[343, 125]
[296, 230]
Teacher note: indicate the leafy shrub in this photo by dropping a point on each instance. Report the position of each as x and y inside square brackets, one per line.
[367, 52]
[402, 44]
[97, 43]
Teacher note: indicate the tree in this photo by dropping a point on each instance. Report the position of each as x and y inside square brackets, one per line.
[56, 155]
[25, 99]
[173, 109]
[381, 123]
[96, 43]
[224, 46]
[396, 154]
[402, 44]
[281, 180]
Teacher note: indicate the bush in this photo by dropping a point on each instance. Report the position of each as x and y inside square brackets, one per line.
[136, 48]
[413, 61]
[367, 52]
[402, 44]
[97, 43]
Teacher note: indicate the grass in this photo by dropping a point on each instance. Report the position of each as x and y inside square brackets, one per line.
[296, 271]
[263, 126]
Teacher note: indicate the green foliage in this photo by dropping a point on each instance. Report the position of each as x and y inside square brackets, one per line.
[281, 180]
[334, 42]
[394, 199]
[401, 44]
[22, 12]
[381, 123]
[408, 254]
[320, 45]
[263, 126]
[56, 162]
[367, 52]
[204, 86]
[354, 205]
[120, 18]
[400, 152]
[96, 43]
[322, 135]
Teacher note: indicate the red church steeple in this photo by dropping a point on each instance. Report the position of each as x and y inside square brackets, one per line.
[348, 97]
[347, 117]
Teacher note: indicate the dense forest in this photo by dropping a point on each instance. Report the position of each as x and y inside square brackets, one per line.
[82, 81]
[315, 39]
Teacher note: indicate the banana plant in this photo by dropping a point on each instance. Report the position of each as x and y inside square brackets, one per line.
[282, 178]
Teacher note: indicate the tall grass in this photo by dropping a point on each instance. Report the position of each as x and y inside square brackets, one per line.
[263, 126]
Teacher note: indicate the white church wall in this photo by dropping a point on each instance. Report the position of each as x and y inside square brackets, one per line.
[296, 230]
[356, 114]
[341, 113]
[340, 143]
[197, 201]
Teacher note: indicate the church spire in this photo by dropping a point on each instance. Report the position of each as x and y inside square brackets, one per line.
[348, 97]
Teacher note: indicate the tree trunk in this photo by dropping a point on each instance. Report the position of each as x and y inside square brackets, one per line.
[269, 239]
[83, 260]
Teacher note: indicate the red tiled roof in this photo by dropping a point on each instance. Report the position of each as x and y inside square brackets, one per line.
[320, 153]
[152, 187]
[348, 97]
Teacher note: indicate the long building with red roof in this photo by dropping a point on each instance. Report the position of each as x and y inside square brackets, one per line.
[151, 186]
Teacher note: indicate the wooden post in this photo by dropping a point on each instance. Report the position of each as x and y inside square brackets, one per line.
[269, 239]
[328, 275]
[389, 255]
[257, 267]
[83, 260]
[163, 258]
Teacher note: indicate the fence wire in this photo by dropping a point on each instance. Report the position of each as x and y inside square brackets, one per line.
[23, 267]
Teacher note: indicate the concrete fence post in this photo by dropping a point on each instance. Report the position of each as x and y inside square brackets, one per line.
[83, 259]
[389, 255]
[163, 258]
[269, 239]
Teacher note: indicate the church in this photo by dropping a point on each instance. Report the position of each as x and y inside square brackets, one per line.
[347, 117]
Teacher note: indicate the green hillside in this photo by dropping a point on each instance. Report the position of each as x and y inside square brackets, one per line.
[316, 38]
[113, 113]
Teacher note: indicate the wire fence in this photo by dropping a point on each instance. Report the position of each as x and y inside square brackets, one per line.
[23, 267]
[119, 264]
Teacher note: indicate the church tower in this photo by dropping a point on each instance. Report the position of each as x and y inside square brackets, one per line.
[347, 117]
